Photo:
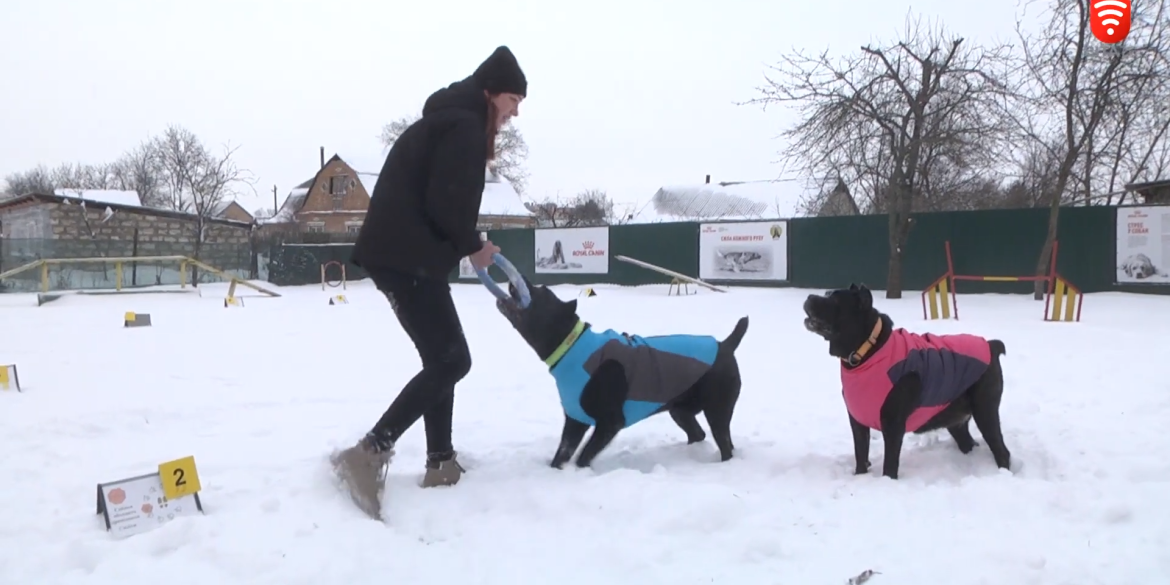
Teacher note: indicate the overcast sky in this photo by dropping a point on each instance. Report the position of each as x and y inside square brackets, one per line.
[625, 96]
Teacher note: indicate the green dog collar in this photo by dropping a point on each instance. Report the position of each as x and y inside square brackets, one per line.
[563, 348]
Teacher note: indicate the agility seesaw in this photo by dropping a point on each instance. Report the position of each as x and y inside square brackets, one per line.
[513, 276]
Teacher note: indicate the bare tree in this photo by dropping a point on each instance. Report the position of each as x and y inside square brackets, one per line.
[178, 155]
[138, 170]
[589, 208]
[213, 182]
[36, 180]
[891, 112]
[1073, 83]
[194, 180]
[1135, 145]
[511, 150]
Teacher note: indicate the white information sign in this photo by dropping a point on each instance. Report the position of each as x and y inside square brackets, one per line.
[572, 250]
[137, 504]
[744, 251]
[466, 270]
[1143, 245]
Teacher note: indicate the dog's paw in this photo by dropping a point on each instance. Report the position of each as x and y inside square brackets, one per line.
[861, 470]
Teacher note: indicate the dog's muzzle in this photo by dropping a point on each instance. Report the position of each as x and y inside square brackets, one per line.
[819, 327]
[510, 309]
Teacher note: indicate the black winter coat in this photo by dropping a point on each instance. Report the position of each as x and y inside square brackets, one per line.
[425, 206]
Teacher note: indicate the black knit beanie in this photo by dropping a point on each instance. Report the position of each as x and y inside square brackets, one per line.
[500, 73]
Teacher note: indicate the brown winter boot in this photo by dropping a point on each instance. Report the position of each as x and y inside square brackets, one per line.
[362, 470]
[443, 469]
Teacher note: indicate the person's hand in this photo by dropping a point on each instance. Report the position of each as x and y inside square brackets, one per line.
[483, 258]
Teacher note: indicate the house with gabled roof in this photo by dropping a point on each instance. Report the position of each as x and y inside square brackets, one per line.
[335, 201]
[231, 210]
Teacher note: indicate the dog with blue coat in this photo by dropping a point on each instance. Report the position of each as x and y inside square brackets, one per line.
[610, 381]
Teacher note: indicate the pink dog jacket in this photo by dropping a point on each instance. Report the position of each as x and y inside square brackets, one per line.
[947, 364]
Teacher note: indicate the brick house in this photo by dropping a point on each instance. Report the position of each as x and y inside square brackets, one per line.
[36, 226]
[335, 201]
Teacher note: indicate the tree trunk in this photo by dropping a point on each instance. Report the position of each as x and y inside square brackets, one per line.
[899, 230]
[1040, 287]
[1062, 176]
[894, 276]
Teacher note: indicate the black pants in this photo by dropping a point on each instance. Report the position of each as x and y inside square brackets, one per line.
[427, 313]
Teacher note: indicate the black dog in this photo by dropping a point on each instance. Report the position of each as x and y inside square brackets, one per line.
[897, 382]
[612, 380]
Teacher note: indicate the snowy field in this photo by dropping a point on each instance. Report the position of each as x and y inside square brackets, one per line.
[261, 394]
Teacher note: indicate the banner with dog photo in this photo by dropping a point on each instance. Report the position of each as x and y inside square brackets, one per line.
[466, 270]
[744, 251]
[572, 250]
[1143, 245]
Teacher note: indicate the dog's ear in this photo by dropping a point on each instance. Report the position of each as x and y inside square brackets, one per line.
[853, 286]
[866, 298]
[572, 305]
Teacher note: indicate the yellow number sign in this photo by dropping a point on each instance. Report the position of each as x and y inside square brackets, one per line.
[179, 477]
[4, 383]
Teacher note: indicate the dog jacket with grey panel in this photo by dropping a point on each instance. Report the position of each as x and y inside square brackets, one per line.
[947, 364]
[658, 369]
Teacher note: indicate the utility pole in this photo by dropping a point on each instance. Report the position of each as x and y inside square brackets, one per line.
[274, 207]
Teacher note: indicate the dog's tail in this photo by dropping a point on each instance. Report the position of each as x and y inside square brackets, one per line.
[732, 341]
[997, 348]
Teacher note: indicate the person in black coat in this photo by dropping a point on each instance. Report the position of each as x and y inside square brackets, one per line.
[421, 221]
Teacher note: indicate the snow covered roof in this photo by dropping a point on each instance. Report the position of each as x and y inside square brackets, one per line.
[221, 207]
[292, 204]
[102, 196]
[500, 198]
[743, 200]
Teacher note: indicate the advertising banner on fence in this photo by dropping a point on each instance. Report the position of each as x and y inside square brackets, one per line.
[572, 251]
[466, 270]
[744, 251]
[1143, 245]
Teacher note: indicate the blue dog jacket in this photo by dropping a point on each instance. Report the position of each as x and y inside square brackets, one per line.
[658, 369]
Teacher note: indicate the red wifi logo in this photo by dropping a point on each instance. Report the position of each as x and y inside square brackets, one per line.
[1110, 20]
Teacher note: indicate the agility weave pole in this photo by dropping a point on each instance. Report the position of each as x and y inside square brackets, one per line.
[1062, 300]
[333, 284]
[679, 278]
[185, 262]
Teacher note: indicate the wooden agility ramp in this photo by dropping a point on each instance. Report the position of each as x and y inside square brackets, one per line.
[185, 263]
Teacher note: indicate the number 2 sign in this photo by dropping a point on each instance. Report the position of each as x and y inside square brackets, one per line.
[179, 478]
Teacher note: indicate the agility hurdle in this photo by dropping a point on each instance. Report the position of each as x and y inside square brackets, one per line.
[333, 284]
[185, 263]
[1062, 300]
[679, 278]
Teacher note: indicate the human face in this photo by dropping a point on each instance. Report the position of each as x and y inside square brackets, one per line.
[508, 106]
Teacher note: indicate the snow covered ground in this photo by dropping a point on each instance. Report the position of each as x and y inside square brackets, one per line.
[261, 394]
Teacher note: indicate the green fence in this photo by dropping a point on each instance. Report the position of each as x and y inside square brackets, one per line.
[825, 252]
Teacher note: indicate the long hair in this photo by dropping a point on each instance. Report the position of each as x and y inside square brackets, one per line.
[493, 128]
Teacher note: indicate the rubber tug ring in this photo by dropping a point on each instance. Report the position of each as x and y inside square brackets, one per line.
[514, 277]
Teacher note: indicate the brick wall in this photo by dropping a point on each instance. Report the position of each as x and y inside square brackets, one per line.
[55, 230]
